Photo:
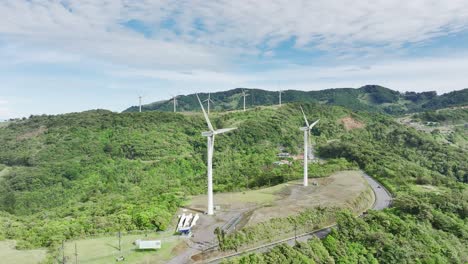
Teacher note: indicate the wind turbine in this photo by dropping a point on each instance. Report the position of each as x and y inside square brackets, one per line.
[244, 94]
[280, 92]
[211, 137]
[174, 101]
[139, 97]
[306, 130]
[209, 100]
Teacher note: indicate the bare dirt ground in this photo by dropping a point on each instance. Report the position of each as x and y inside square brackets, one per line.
[351, 123]
[334, 191]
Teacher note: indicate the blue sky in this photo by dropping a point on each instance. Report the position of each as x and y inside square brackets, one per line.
[59, 56]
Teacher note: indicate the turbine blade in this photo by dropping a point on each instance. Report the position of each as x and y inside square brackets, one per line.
[313, 124]
[224, 130]
[305, 118]
[206, 116]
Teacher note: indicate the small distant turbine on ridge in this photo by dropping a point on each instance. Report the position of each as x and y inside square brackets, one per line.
[139, 98]
[306, 130]
[280, 92]
[244, 94]
[211, 137]
[208, 101]
[174, 102]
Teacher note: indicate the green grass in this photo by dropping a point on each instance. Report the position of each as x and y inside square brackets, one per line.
[105, 249]
[428, 188]
[8, 254]
[3, 170]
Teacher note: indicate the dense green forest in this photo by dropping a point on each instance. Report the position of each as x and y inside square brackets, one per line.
[373, 98]
[94, 172]
[428, 220]
[85, 173]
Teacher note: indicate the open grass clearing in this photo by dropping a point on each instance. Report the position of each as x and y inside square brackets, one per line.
[8, 254]
[428, 188]
[105, 249]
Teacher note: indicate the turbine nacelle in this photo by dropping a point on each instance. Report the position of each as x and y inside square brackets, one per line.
[217, 131]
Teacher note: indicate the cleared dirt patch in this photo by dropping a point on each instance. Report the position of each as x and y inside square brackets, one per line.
[8, 254]
[351, 123]
[41, 130]
[339, 190]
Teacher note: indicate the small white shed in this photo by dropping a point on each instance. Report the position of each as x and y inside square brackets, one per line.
[148, 244]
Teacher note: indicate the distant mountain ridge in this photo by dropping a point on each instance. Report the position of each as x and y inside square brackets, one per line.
[373, 98]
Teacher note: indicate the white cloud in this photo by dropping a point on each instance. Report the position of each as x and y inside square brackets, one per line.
[206, 45]
[442, 75]
[202, 33]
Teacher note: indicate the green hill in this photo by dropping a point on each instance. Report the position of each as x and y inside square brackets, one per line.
[81, 174]
[371, 98]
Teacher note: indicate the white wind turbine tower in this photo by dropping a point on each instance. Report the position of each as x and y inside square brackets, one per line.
[208, 101]
[174, 101]
[280, 92]
[139, 97]
[306, 130]
[244, 94]
[211, 137]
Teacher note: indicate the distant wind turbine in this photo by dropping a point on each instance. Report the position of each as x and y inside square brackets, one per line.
[208, 101]
[211, 137]
[306, 130]
[244, 94]
[280, 92]
[139, 97]
[174, 102]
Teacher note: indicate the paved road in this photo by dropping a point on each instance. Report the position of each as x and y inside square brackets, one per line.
[383, 199]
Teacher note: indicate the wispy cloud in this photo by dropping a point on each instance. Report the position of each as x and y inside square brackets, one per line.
[95, 49]
[200, 32]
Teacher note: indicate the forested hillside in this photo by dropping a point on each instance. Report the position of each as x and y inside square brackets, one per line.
[84, 173]
[372, 98]
[428, 220]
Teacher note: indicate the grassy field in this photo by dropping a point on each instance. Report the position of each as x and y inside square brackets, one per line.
[8, 254]
[105, 249]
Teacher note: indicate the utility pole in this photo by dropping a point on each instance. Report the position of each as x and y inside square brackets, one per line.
[120, 238]
[295, 232]
[139, 97]
[76, 254]
[63, 251]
